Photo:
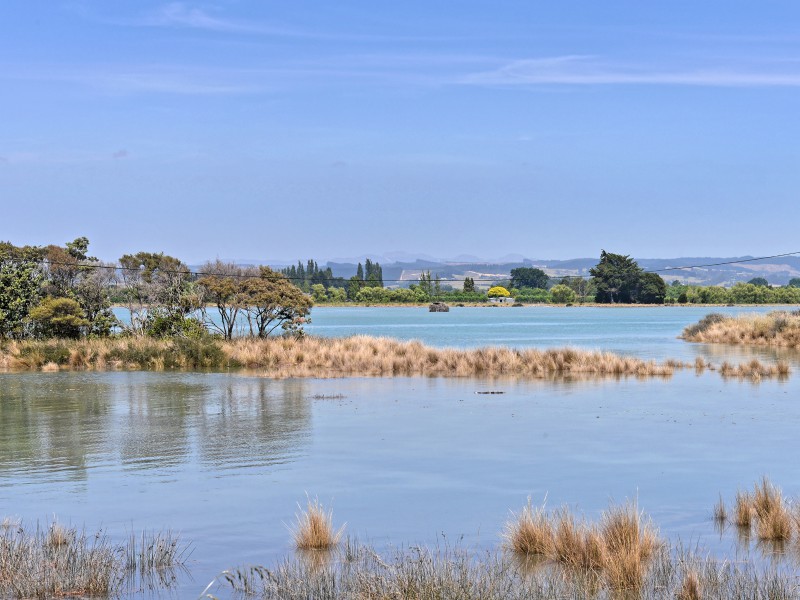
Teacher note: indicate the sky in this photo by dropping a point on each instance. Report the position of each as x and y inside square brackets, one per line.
[287, 130]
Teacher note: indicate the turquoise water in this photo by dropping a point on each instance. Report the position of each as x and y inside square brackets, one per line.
[225, 458]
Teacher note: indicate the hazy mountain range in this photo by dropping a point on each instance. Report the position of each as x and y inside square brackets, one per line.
[401, 267]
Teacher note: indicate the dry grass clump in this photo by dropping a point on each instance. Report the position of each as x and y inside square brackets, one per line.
[62, 561]
[619, 549]
[755, 370]
[314, 528]
[690, 587]
[765, 507]
[720, 511]
[530, 532]
[777, 328]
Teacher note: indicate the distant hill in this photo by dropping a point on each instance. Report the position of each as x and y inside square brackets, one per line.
[778, 271]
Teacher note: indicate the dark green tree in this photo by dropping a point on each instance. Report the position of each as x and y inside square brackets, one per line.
[58, 317]
[527, 277]
[469, 284]
[652, 289]
[759, 281]
[21, 280]
[616, 277]
[360, 272]
[794, 282]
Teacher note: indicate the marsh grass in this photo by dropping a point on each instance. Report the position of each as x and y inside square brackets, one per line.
[314, 528]
[616, 551]
[720, 512]
[766, 508]
[342, 357]
[743, 510]
[59, 561]
[777, 328]
[449, 573]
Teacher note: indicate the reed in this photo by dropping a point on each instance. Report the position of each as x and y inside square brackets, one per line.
[60, 561]
[456, 573]
[777, 328]
[720, 511]
[743, 510]
[314, 528]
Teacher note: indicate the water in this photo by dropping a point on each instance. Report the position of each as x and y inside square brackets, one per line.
[224, 458]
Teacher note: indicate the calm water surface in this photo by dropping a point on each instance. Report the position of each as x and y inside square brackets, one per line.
[224, 458]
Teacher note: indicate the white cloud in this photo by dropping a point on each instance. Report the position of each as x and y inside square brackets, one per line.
[588, 70]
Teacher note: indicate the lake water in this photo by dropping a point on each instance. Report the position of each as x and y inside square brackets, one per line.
[225, 457]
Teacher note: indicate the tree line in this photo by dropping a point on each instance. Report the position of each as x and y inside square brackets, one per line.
[55, 291]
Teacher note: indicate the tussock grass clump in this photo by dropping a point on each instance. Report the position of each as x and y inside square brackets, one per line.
[530, 532]
[314, 528]
[60, 561]
[618, 550]
[777, 328]
[767, 509]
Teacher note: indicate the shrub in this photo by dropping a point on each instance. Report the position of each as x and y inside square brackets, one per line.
[498, 291]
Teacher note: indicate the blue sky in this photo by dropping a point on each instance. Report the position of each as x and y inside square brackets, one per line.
[285, 130]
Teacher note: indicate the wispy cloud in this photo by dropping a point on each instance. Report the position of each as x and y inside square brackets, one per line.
[178, 14]
[589, 70]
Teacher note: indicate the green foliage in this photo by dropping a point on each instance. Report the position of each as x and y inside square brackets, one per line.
[469, 285]
[759, 281]
[562, 294]
[532, 295]
[354, 285]
[21, 279]
[616, 277]
[431, 286]
[652, 289]
[794, 282]
[498, 292]
[703, 324]
[58, 317]
[527, 277]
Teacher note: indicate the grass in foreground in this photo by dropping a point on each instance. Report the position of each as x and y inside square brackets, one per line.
[359, 572]
[61, 561]
[342, 357]
[777, 328]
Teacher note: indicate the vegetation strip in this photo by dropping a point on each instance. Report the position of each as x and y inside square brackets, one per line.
[59, 561]
[545, 556]
[341, 357]
[777, 328]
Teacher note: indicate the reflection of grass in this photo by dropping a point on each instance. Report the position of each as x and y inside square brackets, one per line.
[778, 328]
[63, 561]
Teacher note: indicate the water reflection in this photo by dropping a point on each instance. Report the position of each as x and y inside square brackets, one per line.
[64, 424]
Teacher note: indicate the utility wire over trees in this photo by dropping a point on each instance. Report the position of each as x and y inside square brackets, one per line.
[619, 279]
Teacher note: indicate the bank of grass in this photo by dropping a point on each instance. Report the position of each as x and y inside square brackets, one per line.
[59, 561]
[341, 357]
[777, 328]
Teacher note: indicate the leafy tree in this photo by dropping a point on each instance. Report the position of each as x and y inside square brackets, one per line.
[498, 292]
[156, 285]
[318, 293]
[373, 274]
[21, 279]
[652, 289]
[360, 272]
[58, 317]
[759, 281]
[616, 277]
[583, 288]
[528, 277]
[337, 295]
[431, 286]
[220, 286]
[272, 301]
[469, 285]
[794, 282]
[354, 286]
[562, 294]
